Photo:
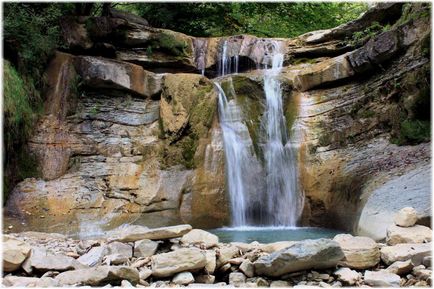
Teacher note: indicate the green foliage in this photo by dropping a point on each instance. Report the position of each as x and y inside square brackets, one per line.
[413, 132]
[169, 43]
[283, 19]
[359, 37]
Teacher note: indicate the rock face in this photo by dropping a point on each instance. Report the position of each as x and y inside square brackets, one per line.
[360, 252]
[14, 254]
[167, 264]
[308, 254]
[406, 217]
[415, 234]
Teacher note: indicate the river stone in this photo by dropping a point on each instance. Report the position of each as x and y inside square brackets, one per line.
[279, 283]
[94, 256]
[14, 253]
[211, 261]
[276, 246]
[360, 252]
[225, 253]
[381, 279]
[348, 276]
[145, 248]
[206, 279]
[197, 236]
[18, 281]
[183, 278]
[247, 268]
[406, 217]
[403, 252]
[236, 279]
[400, 267]
[118, 248]
[415, 234]
[132, 234]
[308, 254]
[186, 259]
[144, 273]
[98, 276]
[43, 260]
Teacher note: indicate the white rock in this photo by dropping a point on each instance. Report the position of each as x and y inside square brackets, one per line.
[186, 259]
[126, 283]
[247, 268]
[183, 278]
[144, 273]
[94, 257]
[400, 267]
[44, 260]
[136, 233]
[276, 246]
[279, 283]
[360, 252]
[406, 217]
[14, 253]
[348, 276]
[18, 281]
[415, 234]
[225, 253]
[96, 275]
[236, 279]
[381, 279]
[197, 236]
[120, 249]
[145, 248]
[403, 252]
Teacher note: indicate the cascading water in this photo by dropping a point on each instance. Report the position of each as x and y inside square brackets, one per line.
[279, 200]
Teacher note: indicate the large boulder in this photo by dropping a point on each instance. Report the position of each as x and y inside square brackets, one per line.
[406, 217]
[14, 253]
[404, 252]
[360, 252]
[200, 237]
[98, 276]
[308, 254]
[415, 234]
[185, 259]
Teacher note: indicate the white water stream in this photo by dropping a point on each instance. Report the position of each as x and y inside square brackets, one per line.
[278, 202]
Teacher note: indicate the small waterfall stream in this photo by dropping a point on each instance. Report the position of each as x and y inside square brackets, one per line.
[279, 200]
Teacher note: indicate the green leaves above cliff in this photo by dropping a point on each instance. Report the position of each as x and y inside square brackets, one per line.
[261, 19]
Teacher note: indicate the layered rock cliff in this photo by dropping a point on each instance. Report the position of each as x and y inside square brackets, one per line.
[131, 131]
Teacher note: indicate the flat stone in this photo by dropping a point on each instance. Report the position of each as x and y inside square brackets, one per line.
[132, 234]
[145, 248]
[406, 217]
[279, 283]
[415, 234]
[400, 267]
[186, 259]
[121, 249]
[183, 278]
[201, 237]
[403, 252]
[381, 279]
[360, 252]
[94, 257]
[348, 276]
[18, 281]
[14, 253]
[43, 260]
[308, 254]
[99, 275]
[276, 246]
[225, 253]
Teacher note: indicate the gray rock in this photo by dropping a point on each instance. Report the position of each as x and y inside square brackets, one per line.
[145, 248]
[183, 278]
[187, 259]
[126, 283]
[144, 273]
[414, 234]
[94, 257]
[18, 281]
[98, 276]
[118, 248]
[381, 279]
[236, 279]
[400, 267]
[403, 252]
[348, 276]
[308, 254]
[43, 260]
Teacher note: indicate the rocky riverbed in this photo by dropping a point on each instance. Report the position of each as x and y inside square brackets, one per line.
[176, 256]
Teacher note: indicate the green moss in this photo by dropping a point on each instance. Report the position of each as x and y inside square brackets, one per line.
[413, 132]
[171, 44]
[304, 60]
[291, 113]
[366, 113]
[360, 37]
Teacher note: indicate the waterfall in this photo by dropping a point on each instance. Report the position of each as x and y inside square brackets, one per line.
[278, 203]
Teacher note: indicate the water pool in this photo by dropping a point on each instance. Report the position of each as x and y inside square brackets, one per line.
[271, 234]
